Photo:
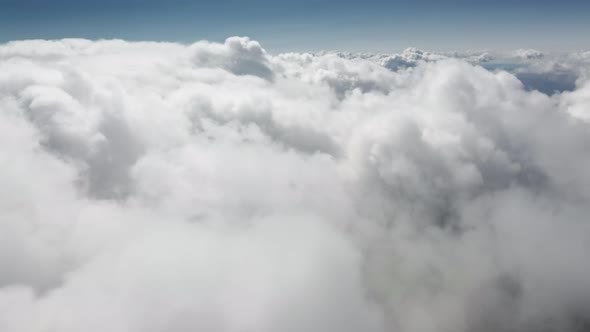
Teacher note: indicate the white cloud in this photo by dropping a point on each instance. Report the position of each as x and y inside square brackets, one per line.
[238, 55]
[164, 187]
[528, 54]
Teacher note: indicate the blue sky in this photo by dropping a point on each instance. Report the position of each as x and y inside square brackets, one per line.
[302, 25]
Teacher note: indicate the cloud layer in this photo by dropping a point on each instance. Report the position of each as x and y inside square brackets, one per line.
[162, 187]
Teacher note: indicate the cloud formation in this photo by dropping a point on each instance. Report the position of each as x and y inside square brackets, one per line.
[163, 187]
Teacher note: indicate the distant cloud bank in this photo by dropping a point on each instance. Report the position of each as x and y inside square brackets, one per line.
[155, 187]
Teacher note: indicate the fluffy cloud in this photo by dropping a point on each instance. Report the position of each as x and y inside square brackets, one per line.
[528, 54]
[164, 187]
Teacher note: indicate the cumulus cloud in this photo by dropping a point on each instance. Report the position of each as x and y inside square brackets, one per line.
[528, 54]
[213, 186]
[240, 56]
[410, 57]
[549, 73]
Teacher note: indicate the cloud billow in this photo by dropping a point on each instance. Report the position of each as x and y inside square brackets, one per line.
[213, 186]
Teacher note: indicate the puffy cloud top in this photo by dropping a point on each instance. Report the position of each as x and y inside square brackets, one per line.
[238, 55]
[528, 54]
[215, 187]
